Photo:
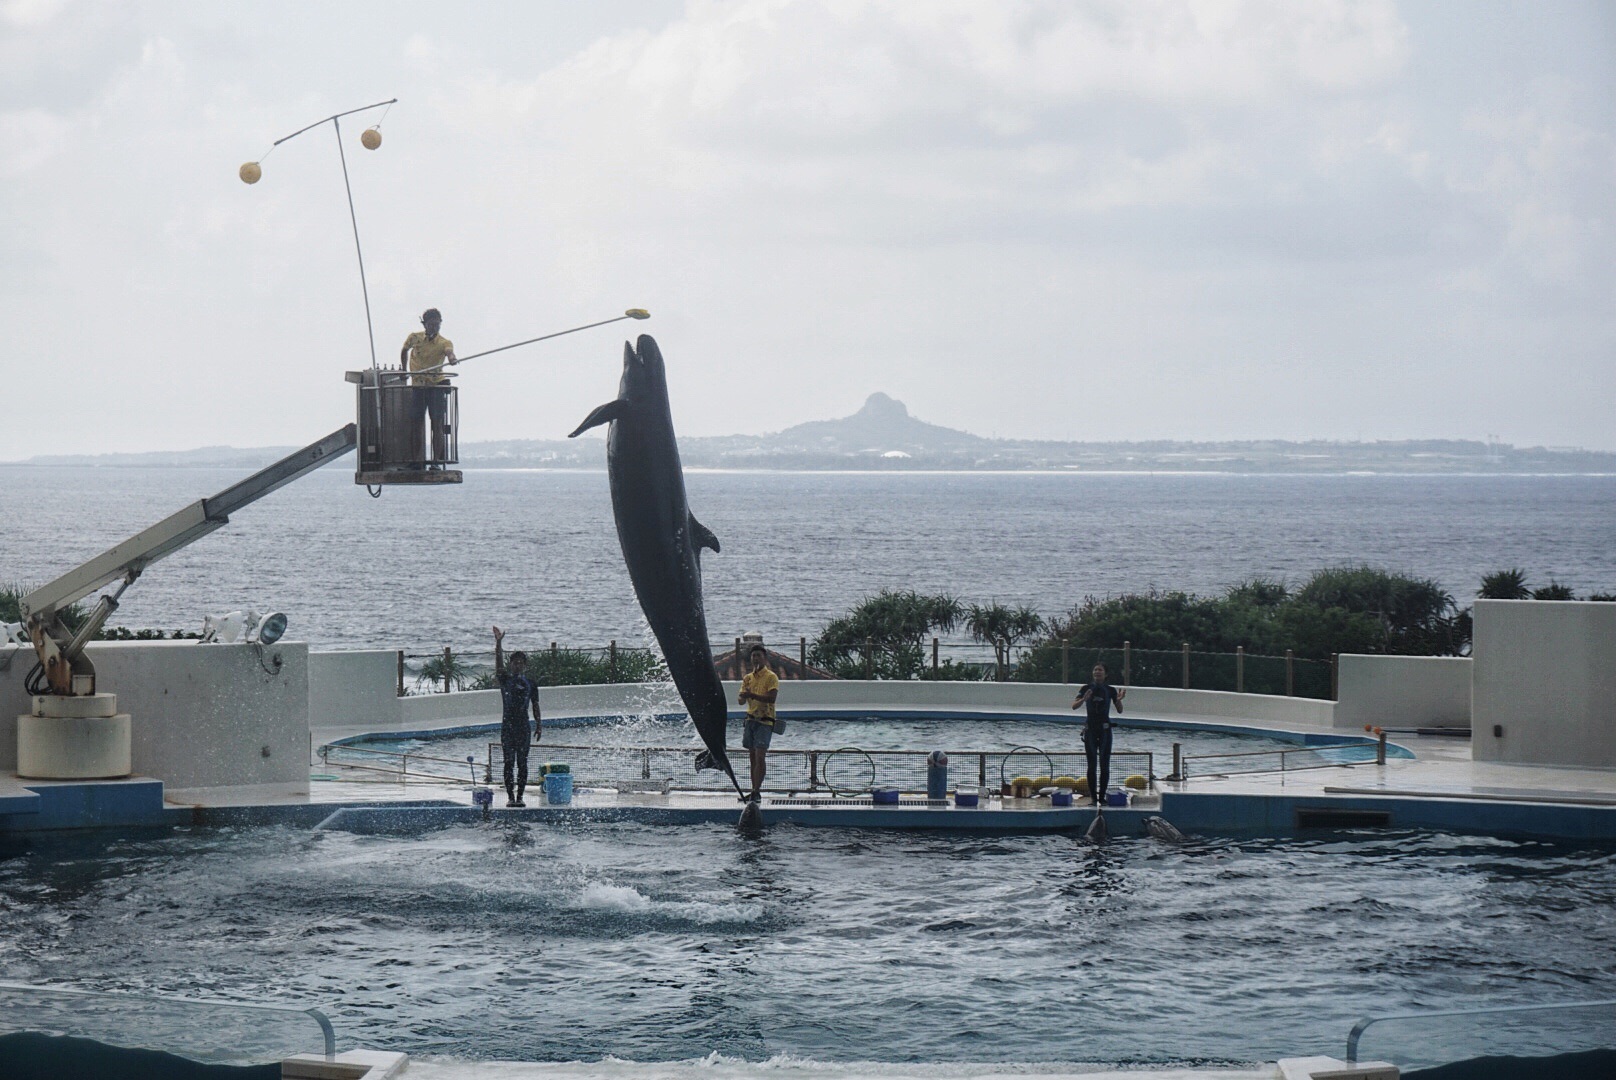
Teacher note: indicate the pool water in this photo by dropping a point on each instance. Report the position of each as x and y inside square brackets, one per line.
[957, 736]
[571, 942]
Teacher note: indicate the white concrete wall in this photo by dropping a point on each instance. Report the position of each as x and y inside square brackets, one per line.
[1403, 691]
[354, 688]
[1545, 673]
[202, 715]
[482, 706]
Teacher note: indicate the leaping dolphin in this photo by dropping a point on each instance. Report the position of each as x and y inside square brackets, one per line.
[661, 539]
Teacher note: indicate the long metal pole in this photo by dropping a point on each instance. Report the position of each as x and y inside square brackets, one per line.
[530, 341]
[350, 112]
[364, 288]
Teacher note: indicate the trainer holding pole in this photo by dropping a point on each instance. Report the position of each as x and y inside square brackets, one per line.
[631, 313]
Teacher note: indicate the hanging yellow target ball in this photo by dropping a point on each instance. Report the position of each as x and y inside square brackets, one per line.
[370, 138]
[250, 173]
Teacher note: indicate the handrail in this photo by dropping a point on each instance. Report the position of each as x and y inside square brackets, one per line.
[1367, 744]
[1363, 1025]
[328, 1034]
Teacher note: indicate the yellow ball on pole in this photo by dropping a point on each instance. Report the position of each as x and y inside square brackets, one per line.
[370, 138]
[250, 173]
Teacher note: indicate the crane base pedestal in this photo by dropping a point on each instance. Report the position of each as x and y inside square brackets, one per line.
[74, 738]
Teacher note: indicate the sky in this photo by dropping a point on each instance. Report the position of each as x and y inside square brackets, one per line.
[1063, 220]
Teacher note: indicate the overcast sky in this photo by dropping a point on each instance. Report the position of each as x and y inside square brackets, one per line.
[1054, 220]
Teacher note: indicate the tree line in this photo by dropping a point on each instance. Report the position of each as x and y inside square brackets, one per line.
[1346, 609]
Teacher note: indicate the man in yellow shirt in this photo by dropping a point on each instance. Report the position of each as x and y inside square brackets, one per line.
[426, 351]
[759, 689]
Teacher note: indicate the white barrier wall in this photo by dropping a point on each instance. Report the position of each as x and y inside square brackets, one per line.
[1403, 691]
[1543, 686]
[202, 715]
[425, 711]
[354, 688]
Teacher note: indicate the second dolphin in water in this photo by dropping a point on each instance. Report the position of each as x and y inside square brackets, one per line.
[661, 538]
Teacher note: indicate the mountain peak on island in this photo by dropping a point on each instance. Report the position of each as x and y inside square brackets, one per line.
[881, 408]
[882, 425]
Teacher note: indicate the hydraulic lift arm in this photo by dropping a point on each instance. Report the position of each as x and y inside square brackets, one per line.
[67, 671]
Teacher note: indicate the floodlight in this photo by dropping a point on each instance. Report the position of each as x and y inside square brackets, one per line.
[227, 629]
[269, 629]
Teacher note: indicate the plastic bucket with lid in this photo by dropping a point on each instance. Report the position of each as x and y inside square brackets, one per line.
[558, 788]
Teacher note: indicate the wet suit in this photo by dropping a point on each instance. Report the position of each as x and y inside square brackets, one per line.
[519, 693]
[1097, 735]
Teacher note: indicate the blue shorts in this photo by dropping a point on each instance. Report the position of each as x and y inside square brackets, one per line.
[756, 735]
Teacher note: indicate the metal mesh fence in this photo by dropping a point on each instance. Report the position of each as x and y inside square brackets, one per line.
[836, 770]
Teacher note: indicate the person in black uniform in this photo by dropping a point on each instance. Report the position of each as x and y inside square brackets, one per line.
[1099, 696]
[519, 693]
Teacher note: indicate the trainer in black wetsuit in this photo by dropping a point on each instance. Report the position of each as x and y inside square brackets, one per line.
[519, 693]
[1099, 696]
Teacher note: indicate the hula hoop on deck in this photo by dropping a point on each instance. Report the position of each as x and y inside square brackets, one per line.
[1049, 762]
[846, 789]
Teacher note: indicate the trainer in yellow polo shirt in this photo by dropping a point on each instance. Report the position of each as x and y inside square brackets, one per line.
[427, 349]
[759, 688]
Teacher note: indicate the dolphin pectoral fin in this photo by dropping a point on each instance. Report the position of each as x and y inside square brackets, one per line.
[701, 536]
[605, 414]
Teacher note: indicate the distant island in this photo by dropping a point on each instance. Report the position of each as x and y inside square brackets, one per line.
[883, 436]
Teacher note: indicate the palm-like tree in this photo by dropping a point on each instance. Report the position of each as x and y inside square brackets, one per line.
[1003, 627]
[1505, 585]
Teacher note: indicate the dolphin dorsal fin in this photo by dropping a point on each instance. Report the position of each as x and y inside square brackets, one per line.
[605, 414]
[701, 536]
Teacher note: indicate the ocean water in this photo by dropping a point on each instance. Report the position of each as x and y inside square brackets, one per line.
[571, 943]
[536, 552]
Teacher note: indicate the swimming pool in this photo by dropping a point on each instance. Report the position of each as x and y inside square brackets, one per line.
[567, 942]
[957, 735]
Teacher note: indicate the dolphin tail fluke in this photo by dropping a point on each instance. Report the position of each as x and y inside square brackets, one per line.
[604, 414]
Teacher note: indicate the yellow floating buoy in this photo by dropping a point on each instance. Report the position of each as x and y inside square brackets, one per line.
[1066, 782]
[1040, 781]
[1137, 782]
[1021, 781]
[370, 138]
[250, 173]
[1082, 785]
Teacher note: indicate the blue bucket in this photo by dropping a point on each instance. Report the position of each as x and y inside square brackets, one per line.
[1060, 798]
[558, 788]
[1116, 798]
[965, 798]
[884, 796]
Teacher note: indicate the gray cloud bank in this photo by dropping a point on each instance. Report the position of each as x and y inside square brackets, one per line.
[1042, 220]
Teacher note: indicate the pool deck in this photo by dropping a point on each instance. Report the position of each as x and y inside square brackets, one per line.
[1439, 787]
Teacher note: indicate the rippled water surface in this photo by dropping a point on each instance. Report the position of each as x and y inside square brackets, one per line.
[561, 943]
[536, 552]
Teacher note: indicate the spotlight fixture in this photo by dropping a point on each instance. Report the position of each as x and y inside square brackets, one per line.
[245, 625]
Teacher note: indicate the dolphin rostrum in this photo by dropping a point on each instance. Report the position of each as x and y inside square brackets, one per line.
[661, 539]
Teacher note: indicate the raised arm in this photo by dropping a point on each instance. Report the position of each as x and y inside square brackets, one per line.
[499, 652]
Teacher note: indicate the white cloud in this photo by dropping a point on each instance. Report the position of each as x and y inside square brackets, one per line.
[960, 203]
[31, 137]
